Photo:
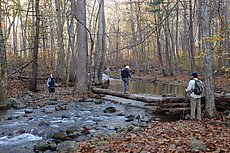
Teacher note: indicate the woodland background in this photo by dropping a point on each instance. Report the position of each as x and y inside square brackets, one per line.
[78, 40]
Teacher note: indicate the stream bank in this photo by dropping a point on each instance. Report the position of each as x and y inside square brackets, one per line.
[45, 125]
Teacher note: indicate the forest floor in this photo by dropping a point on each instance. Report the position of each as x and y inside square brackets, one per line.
[208, 135]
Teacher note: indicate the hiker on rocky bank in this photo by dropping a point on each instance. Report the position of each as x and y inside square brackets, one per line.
[125, 75]
[51, 83]
[194, 91]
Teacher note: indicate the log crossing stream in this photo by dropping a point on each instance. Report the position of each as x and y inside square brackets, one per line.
[164, 98]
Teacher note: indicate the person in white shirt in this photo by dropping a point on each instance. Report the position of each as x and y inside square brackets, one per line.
[195, 98]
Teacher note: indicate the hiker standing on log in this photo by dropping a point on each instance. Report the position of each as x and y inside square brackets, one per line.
[194, 90]
[125, 75]
[51, 87]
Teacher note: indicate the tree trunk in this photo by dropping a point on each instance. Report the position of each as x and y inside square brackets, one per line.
[191, 37]
[81, 81]
[134, 39]
[71, 49]
[3, 64]
[101, 48]
[61, 54]
[52, 42]
[206, 34]
[184, 34]
[35, 50]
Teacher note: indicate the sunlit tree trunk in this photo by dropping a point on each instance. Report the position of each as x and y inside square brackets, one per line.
[134, 39]
[176, 34]
[140, 36]
[81, 81]
[206, 34]
[101, 48]
[3, 63]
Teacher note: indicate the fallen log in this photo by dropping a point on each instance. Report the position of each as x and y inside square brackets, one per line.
[168, 105]
[20, 68]
[143, 98]
[185, 104]
[174, 110]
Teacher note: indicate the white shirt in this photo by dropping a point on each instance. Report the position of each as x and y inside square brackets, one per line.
[191, 86]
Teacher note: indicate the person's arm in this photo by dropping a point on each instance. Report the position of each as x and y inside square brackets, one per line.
[55, 84]
[48, 82]
[189, 88]
[129, 73]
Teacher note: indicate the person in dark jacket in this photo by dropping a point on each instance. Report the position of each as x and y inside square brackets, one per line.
[126, 74]
[51, 86]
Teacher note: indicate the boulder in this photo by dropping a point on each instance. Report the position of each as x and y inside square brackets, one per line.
[60, 135]
[197, 146]
[14, 103]
[40, 146]
[110, 110]
[67, 147]
[98, 101]
[73, 131]
[29, 111]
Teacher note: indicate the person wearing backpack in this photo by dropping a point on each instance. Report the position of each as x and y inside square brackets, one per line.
[195, 89]
[125, 75]
[51, 86]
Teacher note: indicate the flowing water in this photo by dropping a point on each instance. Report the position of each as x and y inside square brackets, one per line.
[20, 131]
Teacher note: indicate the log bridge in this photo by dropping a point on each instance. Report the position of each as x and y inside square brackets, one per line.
[165, 104]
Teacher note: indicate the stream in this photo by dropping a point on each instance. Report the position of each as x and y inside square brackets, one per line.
[140, 87]
[21, 129]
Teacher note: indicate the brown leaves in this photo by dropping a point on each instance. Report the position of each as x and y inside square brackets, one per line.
[175, 137]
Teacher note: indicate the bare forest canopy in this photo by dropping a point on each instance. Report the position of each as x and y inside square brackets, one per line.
[150, 35]
[78, 39]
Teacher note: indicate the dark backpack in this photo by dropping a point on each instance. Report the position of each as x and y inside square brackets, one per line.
[198, 88]
[124, 73]
[51, 82]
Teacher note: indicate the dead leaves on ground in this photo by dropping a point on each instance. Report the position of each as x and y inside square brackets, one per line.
[164, 137]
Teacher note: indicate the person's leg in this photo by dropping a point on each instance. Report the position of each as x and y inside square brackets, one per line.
[193, 108]
[128, 85]
[49, 93]
[124, 84]
[198, 103]
[126, 88]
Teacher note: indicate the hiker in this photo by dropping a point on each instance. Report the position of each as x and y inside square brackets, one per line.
[51, 87]
[125, 75]
[195, 89]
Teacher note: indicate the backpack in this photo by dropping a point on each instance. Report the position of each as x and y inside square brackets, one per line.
[198, 88]
[51, 82]
[123, 73]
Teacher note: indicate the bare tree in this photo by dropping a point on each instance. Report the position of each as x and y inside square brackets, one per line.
[134, 38]
[61, 54]
[81, 81]
[101, 47]
[206, 34]
[3, 63]
[35, 50]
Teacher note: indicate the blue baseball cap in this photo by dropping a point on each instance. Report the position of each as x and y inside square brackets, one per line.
[194, 74]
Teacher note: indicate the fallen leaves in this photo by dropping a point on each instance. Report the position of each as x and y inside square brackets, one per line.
[179, 136]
